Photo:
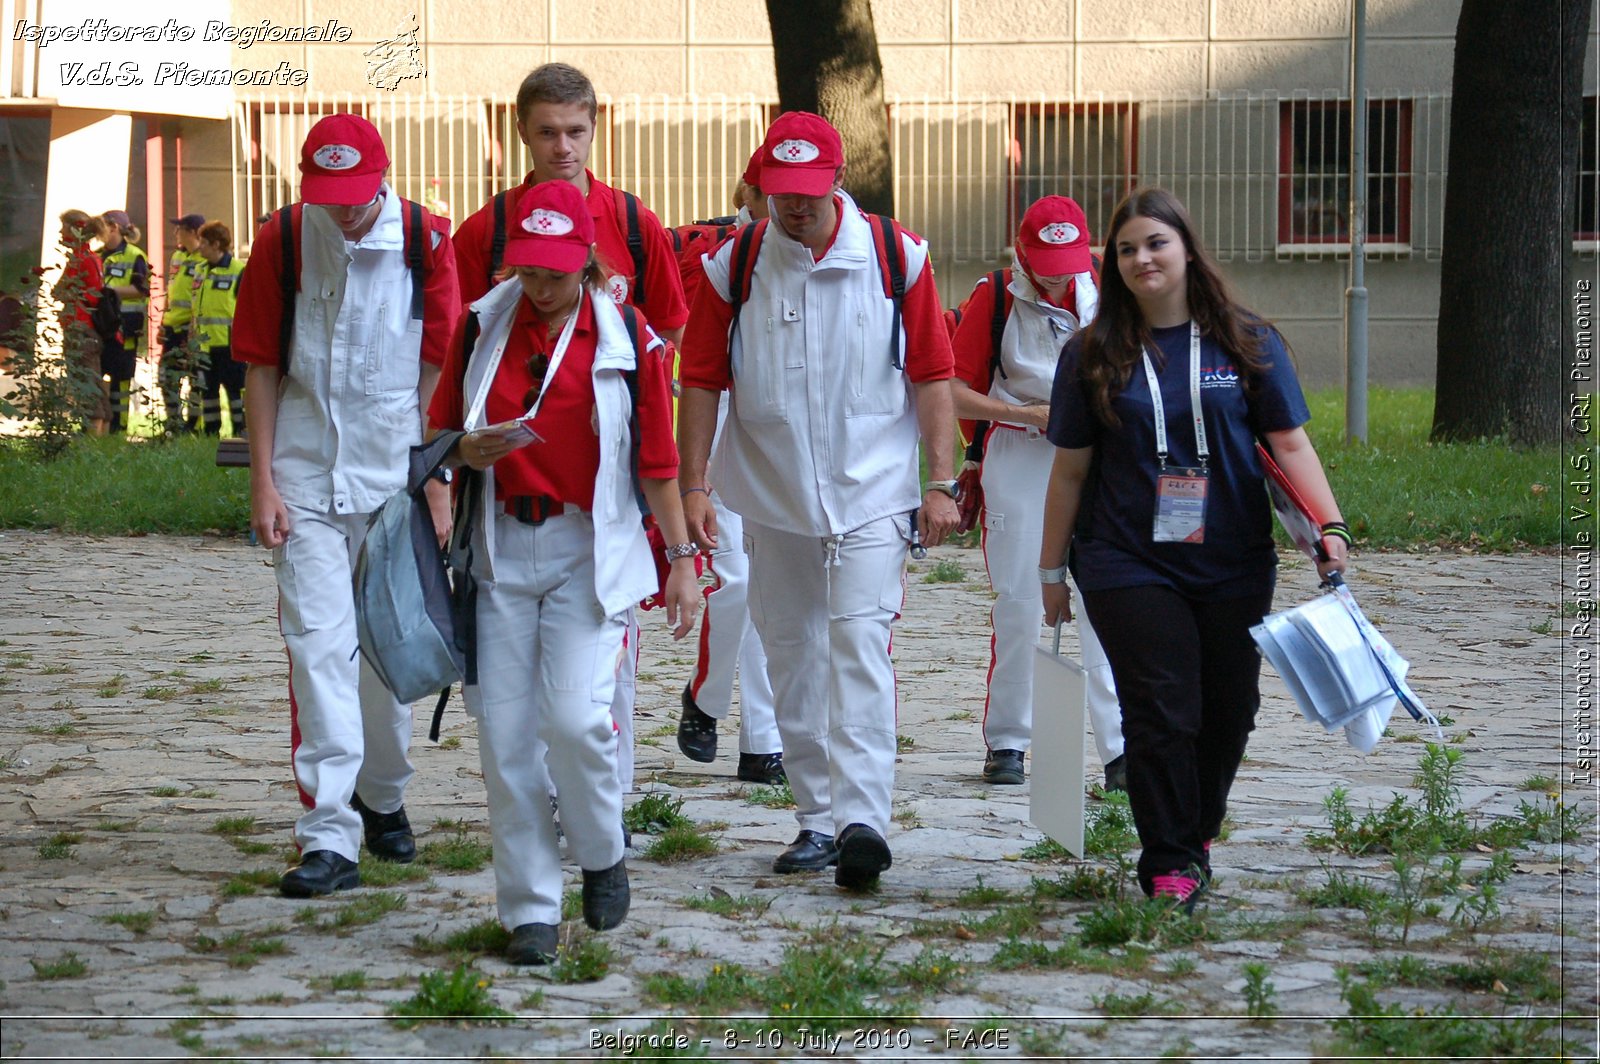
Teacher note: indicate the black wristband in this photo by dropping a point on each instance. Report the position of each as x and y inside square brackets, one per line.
[1339, 530]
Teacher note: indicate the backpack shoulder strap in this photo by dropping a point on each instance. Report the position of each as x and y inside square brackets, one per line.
[1000, 280]
[497, 245]
[630, 207]
[892, 266]
[630, 377]
[742, 267]
[288, 283]
[416, 239]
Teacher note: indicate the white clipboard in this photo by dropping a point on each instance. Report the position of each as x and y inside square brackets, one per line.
[1060, 723]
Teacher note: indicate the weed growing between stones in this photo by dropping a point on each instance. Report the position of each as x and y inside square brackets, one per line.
[731, 906]
[683, 842]
[461, 994]
[137, 922]
[461, 852]
[779, 797]
[1394, 1031]
[581, 958]
[66, 966]
[485, 937]
[654, 814]
[1259, 992]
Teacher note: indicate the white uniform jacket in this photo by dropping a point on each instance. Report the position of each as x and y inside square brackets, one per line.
[1035, 332]
[824, 434]
[623, 570]
[348, 407]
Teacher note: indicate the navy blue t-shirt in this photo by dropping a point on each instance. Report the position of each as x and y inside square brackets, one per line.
[1113, 545]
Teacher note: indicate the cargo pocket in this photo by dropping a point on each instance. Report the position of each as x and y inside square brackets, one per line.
[290, 620]
[892, 592]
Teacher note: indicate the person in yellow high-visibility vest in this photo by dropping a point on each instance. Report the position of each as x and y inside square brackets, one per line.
[127, 271]
[216, 294]
[177, 361]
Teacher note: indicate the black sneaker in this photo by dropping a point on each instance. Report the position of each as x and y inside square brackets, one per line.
[697, 732]
[1003, 766]
[532, 944]
[606, 896]
[1117, 774]
[389, 835]
[863, 854]
[762, 768]
[319, 872]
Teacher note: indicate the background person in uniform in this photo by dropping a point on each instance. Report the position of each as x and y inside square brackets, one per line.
[330, 441]
[127, 272]
[819, 456]
[1173, 588]
[78, 292]
[560, 553]
[177, 359]
[1053, 293]
[729, 642]
[216, 295]
[556, 111]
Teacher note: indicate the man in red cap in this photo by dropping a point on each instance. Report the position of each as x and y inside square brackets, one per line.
[1048, 295]
[340, 374]
[835, 378]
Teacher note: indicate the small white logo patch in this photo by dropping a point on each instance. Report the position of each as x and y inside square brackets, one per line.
[1059, 233]
[617, 288]
[336, 157]
[547, 223]
[796, 151]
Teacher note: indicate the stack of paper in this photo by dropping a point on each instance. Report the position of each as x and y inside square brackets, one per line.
[1341, 671]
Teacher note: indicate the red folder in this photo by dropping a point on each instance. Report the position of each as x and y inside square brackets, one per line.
[1303, 525]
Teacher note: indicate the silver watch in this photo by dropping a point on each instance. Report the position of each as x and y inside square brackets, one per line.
[951, 488]
[680, 550]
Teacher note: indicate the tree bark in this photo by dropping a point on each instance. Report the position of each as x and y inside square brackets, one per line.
[1504, 321]
[826, 54]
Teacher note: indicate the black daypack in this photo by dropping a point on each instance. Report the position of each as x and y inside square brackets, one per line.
[106, 317]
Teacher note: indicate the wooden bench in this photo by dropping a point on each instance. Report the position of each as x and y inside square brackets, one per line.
[233, 451]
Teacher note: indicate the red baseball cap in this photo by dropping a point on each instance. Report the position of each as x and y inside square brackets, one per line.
[551, 228]
[801, 156]
[342, 162]
[1055, 237]
[752, 169]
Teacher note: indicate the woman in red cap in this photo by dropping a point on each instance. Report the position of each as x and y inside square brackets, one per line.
[1157, 502]
[567, 413]
[1003, 379]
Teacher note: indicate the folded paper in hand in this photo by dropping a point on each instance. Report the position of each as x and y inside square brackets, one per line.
[1341, 670]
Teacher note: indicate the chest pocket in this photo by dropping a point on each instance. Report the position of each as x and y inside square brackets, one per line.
[767, 346]
[394, 338]
[875, 386]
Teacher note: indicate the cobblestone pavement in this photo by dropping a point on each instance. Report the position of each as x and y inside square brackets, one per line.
[147, 805]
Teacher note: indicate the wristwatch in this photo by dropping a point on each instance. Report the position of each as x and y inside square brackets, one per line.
[951, 488]
[680, 550]
[444, 474]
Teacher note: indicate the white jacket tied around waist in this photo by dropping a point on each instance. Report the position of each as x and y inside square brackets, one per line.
[623, 570]
[347, 409]
[1035, 332]
[823, 437]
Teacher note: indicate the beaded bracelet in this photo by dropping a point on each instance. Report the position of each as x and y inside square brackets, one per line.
[1338, 530]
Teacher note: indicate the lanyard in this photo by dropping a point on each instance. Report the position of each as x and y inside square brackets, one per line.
[1194, 400]
[482, 397]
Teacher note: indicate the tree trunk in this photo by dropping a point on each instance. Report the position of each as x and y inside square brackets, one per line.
[1504, 322]
[826, 53]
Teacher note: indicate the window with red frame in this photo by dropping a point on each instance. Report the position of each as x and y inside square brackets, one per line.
[1088, 151]
[1314, 172]
[1586, 219]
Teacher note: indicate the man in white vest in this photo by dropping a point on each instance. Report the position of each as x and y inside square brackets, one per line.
[836, 372]
[333, 413]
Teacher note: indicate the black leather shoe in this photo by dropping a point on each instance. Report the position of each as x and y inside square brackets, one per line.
[697, 732]
[389, 835]
[319, 872]
[811, 851]
[605, 896]
[1003, 766]
[1117, 773]
[762, 768]
[862, 855]
[532, 944]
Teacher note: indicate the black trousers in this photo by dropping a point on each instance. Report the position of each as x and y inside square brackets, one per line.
[177, 366]
[221, 371]
[1189, 680]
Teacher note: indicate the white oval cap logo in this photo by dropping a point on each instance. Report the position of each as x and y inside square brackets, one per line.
[543, 222]
[336, 157]
[1059, 233]
[617, 288]
[795, 151]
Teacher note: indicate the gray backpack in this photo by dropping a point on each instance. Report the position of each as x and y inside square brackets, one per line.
[404, 620]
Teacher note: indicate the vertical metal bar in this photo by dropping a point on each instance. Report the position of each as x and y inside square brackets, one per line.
[1355, 414]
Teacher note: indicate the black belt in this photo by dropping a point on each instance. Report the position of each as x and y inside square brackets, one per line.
[534, 509]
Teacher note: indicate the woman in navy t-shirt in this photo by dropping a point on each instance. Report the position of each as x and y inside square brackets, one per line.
[1157, 497]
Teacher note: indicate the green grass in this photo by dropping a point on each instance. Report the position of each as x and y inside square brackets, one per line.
[114, 486]
[461, 995]
[1481, 495]
[66, 966]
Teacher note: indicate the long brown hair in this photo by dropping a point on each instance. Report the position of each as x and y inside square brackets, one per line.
[1114, 340]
